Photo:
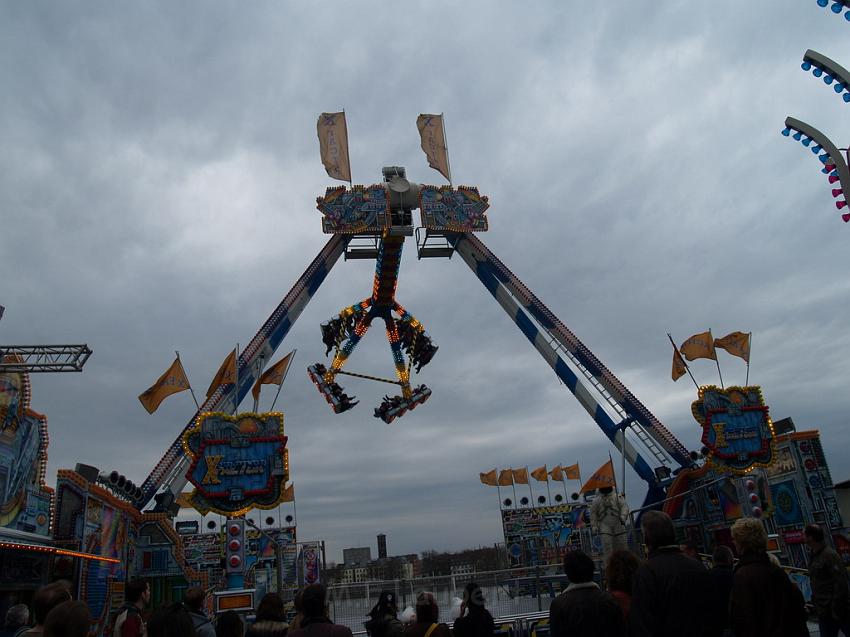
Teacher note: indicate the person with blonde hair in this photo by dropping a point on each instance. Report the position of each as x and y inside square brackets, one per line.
[763, 602]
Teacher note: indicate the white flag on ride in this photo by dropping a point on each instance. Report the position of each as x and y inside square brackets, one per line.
[333, 145]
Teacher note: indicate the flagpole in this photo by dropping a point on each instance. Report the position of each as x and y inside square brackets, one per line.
[623, 451]
[350, 176]
[687, 368]
[548, 490]
[513, 485]
[498, 491]
[711, 337]
[530, 492]
[236, 386]
[446, 147]
[260, 361]
[564, 484]
[285, 372]
[750, 353]
[192, 391]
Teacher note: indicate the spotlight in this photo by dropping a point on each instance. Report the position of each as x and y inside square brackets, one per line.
[558, 497]
[288, 519]
[211, 524]
[269, 521]
[523, 500]
[508, 502]
[574, 496]
[541, 499]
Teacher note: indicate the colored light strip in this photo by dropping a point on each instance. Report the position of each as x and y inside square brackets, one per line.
[56, 551]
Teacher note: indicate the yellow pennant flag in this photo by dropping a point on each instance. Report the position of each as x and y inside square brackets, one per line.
[274, 375]
[573, 472]
[288, 494]
[520, 476]
[171, 382]
[540, 474]
[489, 478]
[699, 346]
[506, 478]
[226, 373]
[679, 366]
[557, 474]
[434, 142]
[333, 145]
[603, 477]
[736, 343]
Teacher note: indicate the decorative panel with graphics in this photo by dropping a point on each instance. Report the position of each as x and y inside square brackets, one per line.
[542, 534]
[238, 463]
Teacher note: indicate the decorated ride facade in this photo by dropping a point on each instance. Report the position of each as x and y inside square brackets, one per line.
[749, 466]
[25, 500]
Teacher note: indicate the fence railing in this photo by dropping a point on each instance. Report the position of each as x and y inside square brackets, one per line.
[507, 594]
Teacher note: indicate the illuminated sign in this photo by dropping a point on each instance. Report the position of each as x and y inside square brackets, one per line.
[237, 462]
[736, 427]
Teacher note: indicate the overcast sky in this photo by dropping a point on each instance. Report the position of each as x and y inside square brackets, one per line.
[158, 176]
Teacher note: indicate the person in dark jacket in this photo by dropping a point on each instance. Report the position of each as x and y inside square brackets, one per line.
[229, 624]
[271, 618]
[763, 602]
[68, 619]
[669, 589]
[383, 620]
[583, 610]
[619, 575]
[475, 620]
[194, 599]
[172, 621]
[427, 622]
[719, 588]
[828, 577]
[316, 622]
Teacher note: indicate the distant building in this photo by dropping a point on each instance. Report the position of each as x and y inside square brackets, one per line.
[360, 556]
[382, 546]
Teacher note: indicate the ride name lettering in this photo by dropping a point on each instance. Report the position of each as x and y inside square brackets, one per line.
[236, 468]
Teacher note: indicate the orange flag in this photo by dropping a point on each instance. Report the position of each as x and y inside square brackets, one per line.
[171, 382]
[184, 500]
[736, 343]
[573, 472]
[274, 375]
[520, 476]
[557, 474]
[699, 346]
[506, 478]
[489, 478]
[226, 373]
[288, 494]
[603, 477]
[540, 474]
[679, 366]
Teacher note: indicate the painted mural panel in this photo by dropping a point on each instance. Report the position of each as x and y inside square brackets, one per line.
[542, 534]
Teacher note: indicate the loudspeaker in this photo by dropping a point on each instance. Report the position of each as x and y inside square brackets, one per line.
[784, 426]
[89, 472]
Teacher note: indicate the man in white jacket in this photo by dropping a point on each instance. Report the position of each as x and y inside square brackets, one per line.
[608, 516]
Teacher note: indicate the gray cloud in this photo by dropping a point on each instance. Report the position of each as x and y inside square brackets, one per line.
[157, 192]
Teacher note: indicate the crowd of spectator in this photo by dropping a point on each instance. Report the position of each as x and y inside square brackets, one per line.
[669, 593]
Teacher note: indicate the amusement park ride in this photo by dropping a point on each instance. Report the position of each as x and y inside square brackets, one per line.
[747, 465]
